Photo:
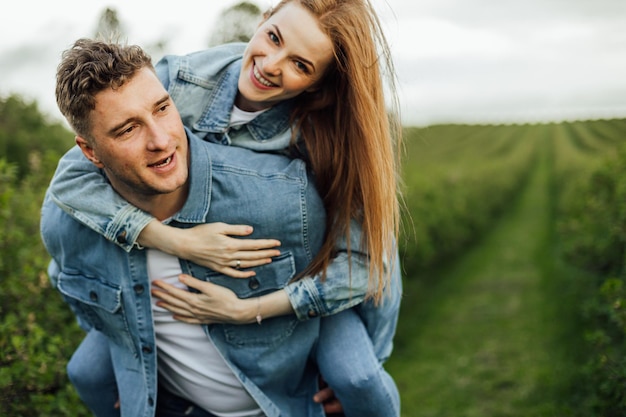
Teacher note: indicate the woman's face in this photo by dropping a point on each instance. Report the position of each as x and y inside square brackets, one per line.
[287, 55]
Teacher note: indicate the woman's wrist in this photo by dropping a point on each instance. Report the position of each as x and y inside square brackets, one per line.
[156, 235]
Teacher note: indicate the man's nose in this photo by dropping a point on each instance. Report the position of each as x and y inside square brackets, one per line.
[158, 138]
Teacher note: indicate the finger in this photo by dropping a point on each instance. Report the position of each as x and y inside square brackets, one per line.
[244, 264]
[254, 244]
[260, 256]
[174, 298]
[245, 230]
[195, 283]
[236, 273]
[175, 310]
[172, 304]
[235, 229]
[168, 290]
[323, 395]
[333, 407]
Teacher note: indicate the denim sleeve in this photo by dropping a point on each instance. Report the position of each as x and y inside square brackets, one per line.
[164, 70]
[345, 286]
[81, 190]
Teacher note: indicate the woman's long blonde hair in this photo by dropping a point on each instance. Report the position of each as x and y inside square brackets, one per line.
[352, 136]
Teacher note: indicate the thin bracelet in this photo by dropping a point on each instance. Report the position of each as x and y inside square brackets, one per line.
[259, 319]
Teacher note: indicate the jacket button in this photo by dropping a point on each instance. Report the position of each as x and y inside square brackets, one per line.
[146, 349]
[93, 296]
[312, 313]
[253, 284]
[150, 401]
[138, 289]
[121, 238]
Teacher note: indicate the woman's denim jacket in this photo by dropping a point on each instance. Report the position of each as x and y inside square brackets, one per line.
[109, 290]
[203, 86]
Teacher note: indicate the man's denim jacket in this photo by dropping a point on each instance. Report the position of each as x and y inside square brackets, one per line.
[203, 86]
[109, 290]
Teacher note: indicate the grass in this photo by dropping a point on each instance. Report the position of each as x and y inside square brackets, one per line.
[494, 333]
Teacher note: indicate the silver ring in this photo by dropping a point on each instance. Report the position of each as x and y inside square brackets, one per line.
[238, 264]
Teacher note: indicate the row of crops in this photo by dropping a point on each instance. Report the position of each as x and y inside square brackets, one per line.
[459, 178]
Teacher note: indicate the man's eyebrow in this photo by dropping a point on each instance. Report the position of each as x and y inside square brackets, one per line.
[113, 131]
[280, 36]
[165, 98]
[120, 125]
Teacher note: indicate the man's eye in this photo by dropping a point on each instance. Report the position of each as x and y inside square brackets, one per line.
[126, 131]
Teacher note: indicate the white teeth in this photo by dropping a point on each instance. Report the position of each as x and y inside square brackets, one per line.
[165, 162]
[260, 78]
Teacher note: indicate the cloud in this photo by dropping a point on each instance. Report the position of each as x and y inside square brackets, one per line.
[456, 60]
[424, 38]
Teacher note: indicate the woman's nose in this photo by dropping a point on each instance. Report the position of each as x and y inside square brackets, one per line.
[271, 64]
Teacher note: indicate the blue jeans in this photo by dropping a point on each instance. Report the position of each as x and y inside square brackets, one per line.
[91, 372]
[170, 405]
[345, 357]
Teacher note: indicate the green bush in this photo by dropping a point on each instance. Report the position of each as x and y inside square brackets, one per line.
[38, 333]
[25, 131]
[593, 232]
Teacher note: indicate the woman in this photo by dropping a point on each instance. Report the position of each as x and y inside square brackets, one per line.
[309, 83]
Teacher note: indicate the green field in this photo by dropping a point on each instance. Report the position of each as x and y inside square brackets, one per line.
[495, 328]
[513, 246]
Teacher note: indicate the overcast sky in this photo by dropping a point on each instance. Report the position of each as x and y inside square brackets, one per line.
[457, 60]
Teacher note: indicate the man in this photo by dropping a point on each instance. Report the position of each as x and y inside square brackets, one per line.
[128, 126]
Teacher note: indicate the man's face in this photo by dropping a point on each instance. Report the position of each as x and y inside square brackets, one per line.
[139, 140]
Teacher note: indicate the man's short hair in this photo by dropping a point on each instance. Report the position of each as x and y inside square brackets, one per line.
[89, 67]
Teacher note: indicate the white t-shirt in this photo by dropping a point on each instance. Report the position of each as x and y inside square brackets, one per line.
[189, 364]
[240, 117]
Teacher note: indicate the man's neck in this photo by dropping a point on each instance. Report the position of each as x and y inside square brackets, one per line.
[161, 206]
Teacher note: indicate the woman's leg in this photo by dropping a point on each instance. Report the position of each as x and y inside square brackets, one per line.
[91, 372]
[346, 359]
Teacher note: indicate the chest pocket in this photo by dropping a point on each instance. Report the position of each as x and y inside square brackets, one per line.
[269, 278]
[99, 304]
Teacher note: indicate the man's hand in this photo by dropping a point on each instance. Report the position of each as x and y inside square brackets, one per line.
[326, 396]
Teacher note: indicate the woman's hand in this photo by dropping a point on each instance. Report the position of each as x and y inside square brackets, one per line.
[214, 303]
[212, 246]
[217, 304]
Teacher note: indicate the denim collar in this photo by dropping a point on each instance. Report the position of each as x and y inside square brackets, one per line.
[196, 207]
[216, 115]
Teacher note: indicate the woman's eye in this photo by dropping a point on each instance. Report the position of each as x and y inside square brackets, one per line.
[302, 67]
[273, 37]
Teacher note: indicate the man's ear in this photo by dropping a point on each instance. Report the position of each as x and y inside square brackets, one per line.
[88, 151]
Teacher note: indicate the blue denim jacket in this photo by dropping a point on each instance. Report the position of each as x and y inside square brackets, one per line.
[203, 86]
[108, 288]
